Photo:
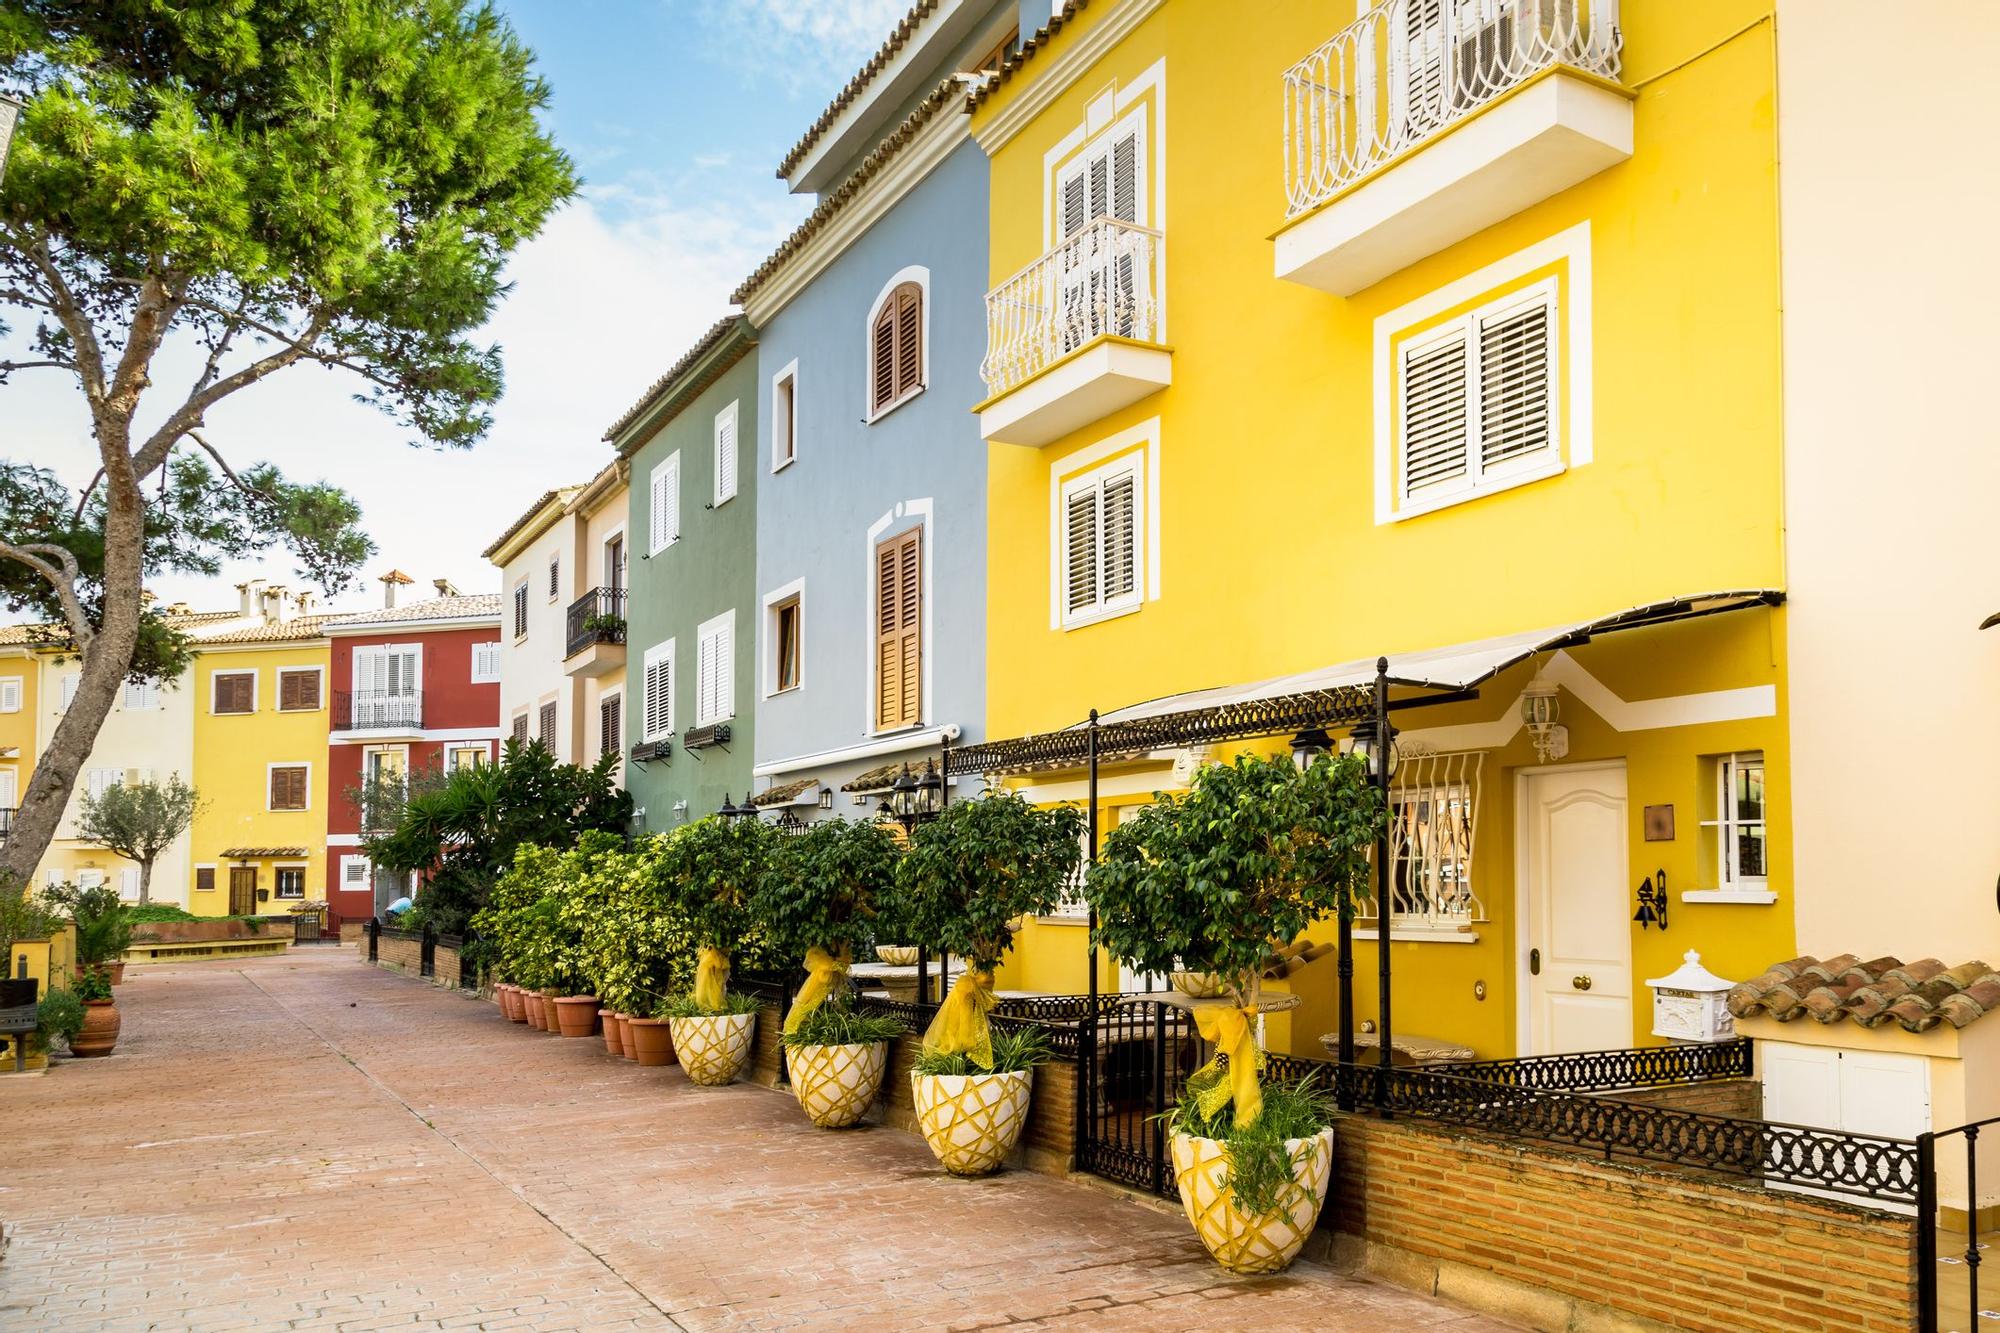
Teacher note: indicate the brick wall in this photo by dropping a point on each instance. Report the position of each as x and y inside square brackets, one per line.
[1741, 1098]
[404, 955]
[1552, 1239]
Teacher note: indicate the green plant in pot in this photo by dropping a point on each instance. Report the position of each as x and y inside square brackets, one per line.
[1254, 853]
[825, 894]
[969, 876]
[103, 926]
[60, 1018]
[711, 870]
[101, 1022]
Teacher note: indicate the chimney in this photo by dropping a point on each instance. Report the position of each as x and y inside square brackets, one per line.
[180, 609]
[248, 597]
[391, 581]
[305, 600]
[445, 587]
[277, 606]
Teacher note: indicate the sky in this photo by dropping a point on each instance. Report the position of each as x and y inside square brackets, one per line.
[677, 113]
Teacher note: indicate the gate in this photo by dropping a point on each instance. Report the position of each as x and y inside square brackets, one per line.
[308, 928]
[1136, 1056]
[1949, 1249]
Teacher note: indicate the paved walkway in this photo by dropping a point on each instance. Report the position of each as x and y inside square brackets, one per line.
[304, 1141]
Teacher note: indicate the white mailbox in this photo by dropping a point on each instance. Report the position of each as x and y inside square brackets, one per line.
[1691, 1003]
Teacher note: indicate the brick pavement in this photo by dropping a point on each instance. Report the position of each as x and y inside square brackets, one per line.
[305, 1142]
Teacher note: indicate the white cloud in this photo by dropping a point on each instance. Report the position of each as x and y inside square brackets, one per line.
[794, 40]
[609, 296]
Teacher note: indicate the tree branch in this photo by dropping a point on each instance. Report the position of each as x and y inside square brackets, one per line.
[227, 471]
[89, 353]
[189, 414]
[84, 499]
[62, 575]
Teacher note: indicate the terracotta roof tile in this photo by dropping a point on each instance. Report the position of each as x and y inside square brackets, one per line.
[1027, 52]
[1917, 996]
[899, 37]
[783, 794]
[306, 627]
[480, 606]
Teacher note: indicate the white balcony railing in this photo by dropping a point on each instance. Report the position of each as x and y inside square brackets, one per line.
[1409, 69]
[1103, 280]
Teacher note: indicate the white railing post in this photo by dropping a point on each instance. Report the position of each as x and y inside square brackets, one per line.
[1104, 280]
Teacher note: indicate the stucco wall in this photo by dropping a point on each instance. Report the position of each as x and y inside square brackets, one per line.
[1891, 472]
[531, 667]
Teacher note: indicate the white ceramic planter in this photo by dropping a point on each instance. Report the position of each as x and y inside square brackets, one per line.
[714, 1051]
[1268, 1242]
[837, 1084]
[896, 955]
[1200, 985]
[972, 1121]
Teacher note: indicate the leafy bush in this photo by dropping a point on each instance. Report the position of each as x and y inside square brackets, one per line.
[25, 916]
[981, 865]
[1014, 1049]
[91, 985]
[60, 1015]
[103, 924]
[832, 887]
[145, 913]
[1259, 1167]
[686, 1006]
[837, 1024]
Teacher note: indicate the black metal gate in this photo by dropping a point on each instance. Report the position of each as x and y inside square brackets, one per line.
[308, 928]
[1951, 1241]
[1134, 1060]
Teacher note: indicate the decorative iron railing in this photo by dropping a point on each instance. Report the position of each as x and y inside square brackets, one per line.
[1102, 280]
[1434, 811]
[1407, 70]
[1613, 1071]
[1948, 1284]
[368, 710]
[596, 617]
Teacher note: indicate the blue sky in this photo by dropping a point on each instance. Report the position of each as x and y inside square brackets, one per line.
[677, 112]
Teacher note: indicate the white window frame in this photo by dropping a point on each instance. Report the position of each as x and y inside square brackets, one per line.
[1099, 145]
[714, 626]
[899, 518]
[256, 686]
[663, 651]
[278, 868]
[767, 643]
[1141, 441]
[12, 691]
[1731, 886]
[1131, 465]
[789, 376]
[97, 779]
[68, 689]
[517, 606]
[279, 682]
[719, 494]
[658, 537]
[277, 764]
[921, 276]
[149, 697]
[10, 788]
[454, 749]
[487, 677]
[367, 874]
[415, 650]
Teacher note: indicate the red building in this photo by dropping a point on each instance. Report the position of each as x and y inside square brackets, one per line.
[415, 688]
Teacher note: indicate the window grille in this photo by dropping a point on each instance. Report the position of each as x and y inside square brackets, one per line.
[1433, 817]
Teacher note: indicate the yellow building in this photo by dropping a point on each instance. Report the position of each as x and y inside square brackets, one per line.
[1406, 331]
[20, 677]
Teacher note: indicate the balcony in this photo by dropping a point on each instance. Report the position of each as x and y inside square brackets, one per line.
[1426, 121]
[595, 633]
[373, 715]
[1073, 337]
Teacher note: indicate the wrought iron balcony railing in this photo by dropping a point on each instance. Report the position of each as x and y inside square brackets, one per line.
[1407, 70]
[1103, 280]
[371, 710]
[596, 617]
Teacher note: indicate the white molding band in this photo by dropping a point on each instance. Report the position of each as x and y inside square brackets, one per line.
[906, 740]
[1054, 78]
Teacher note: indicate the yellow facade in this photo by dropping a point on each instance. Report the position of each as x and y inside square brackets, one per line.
[1268, 549]
[20, 680]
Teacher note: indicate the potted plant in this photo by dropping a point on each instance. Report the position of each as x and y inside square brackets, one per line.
[103, 927]
[969, 876]
[59, 1018]
[99, 1033]
[711, 870]
[1255, 852]
[825, 894]
[637, 946]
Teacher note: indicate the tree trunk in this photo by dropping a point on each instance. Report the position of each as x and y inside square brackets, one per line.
[105, 663]
[145, 881]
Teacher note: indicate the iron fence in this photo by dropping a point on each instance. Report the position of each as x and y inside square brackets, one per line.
[375, 710]
[596, 617]
[1948, 1284]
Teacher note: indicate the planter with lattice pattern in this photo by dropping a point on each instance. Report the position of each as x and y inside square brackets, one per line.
[972, 1121]
[1240, 1242]
[716, 1050]
[837, 1084]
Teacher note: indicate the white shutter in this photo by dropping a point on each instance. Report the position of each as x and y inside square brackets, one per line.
[658, 704]
[665, 504]
[1434, 414]
[10, 695]
[371, 671]
[1125, 176]
[725, 670]
[1514, 381]
[1080, 550]
[725, 454]
[128, 882]
[714, 668]
[1119, 525]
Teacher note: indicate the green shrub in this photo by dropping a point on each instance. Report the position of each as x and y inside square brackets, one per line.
[60, 1015]
[835, 1024]
[103, 923]
[149, 912]
[973, 872]
[92, 985]
[1014, 1049]
[1259, 1167]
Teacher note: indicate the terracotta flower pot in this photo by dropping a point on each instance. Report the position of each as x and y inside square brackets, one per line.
[1241, 1242]
[550, 1021]
[627, 1039]
[500, 996]
[837, 1084]
[117, 971]
[531, 1005]
[652, 1040]
[517, 1010]
[607, 1023]
[972, 1121]
[503, 995]
[576, 1015]
[100, 1029]
[714, 1051]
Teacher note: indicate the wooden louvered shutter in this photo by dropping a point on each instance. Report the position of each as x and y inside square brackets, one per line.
[1434, 415]
[883, 376]
[909, 340]
[1080, 550]
[521, 729]
[658, 714]
[899, 631]
[548, 727]
[610, 724]
[1514, 385]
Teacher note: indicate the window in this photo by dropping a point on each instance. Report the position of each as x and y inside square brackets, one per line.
[521, 609]
[1101, 540]
[390, 672]
[142, 695]
[69, 690]
[785, 644]
[785, 417]
[1433, 821]
[233, 692]
[614, 561]
[354, 873]
[298, 689]
[1742, 856]
[291, 882]
[895, 349]
[10, 694]
[664, 504]
[204, 879]
[995, 57]
[102, 780]
[1100, 278]
[384, 765]
[521, 728]
[555, 577]
[610, 724]
[715, 670]
[290, 785]
[465, 756]
[1478, 399]
[658, 706]
[485, 663]
[546, 731]
[899, 631]
[725, 455]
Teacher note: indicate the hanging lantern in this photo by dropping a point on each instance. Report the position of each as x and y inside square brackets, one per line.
[1541, 709]
[1309, 745]
[1363, 741]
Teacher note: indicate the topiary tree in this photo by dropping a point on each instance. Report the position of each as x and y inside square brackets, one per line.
[711, 871]
[825, 892]
[138, 821]
[969, 876]
[1255, 852]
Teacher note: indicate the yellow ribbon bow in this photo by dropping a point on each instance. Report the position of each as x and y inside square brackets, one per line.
[711, 978]
[960, 1026]
[825, 975]
[1234, 1034]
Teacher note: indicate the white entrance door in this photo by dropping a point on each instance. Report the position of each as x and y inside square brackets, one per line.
[1576, 952]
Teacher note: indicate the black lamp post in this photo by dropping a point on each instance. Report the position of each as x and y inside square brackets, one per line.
[731, 811]
[913, 800]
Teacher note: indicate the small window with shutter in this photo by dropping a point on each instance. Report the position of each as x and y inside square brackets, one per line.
[10, 694]
[899, 619]
[555, 577]
[657, 708]
[521, 728]
[896, 350]
[204, 879]
[1103, 533]
[485, 663]
[234, 692]
[545, 732]
[715, 670]
[290, 786]
[725, 456]
[611, 724]
[521, 609]
[785, 417]
[663, 504]
[1477, 396]
[298, 690]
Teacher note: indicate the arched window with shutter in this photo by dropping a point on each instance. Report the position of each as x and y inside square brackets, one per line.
[896, 352]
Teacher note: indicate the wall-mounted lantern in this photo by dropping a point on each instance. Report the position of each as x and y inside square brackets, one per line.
[1541, 714]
